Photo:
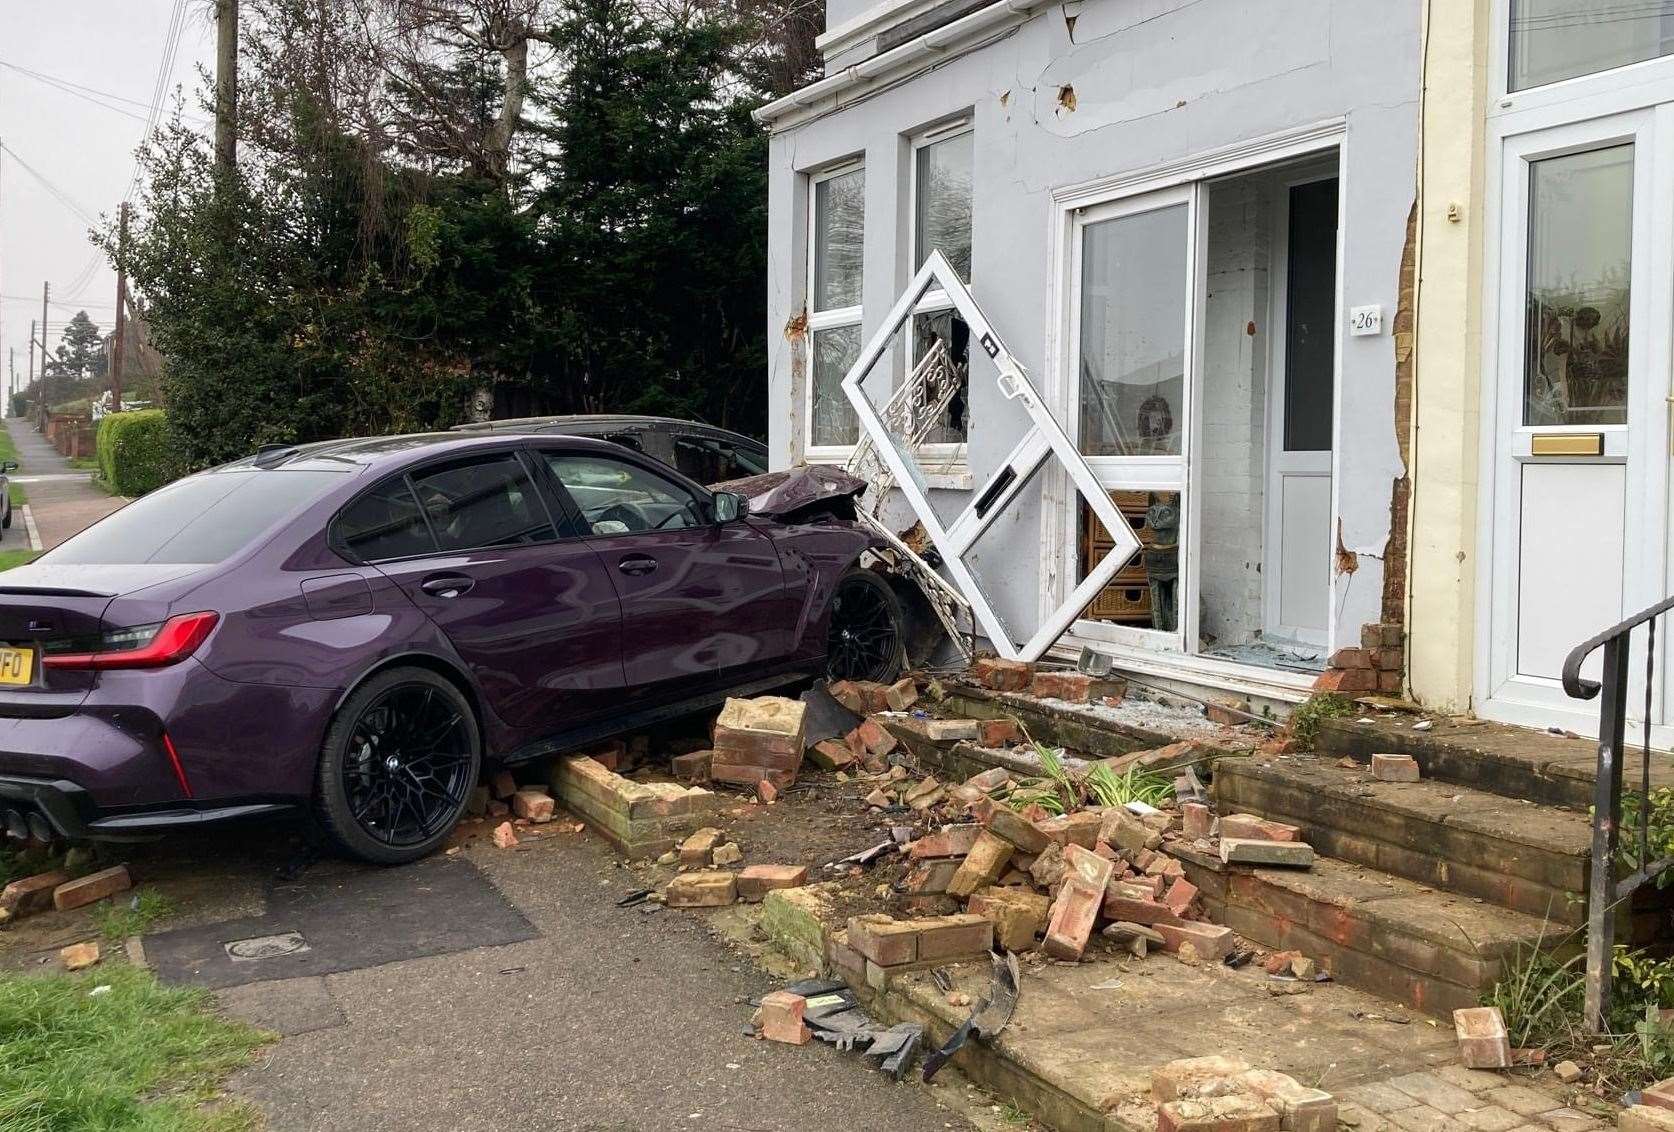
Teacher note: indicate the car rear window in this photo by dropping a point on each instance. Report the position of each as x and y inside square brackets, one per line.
[201, 519]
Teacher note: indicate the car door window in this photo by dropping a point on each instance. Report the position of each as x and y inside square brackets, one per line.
[616, 497]
[384, 523]
[483, 503]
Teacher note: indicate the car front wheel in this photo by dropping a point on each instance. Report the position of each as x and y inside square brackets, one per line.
[398, 765]
[865, 638]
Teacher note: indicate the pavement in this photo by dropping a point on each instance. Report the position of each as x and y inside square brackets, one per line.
[61, 500]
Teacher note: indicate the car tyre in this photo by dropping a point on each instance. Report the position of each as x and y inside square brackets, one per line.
[866, 639]
[399, 761]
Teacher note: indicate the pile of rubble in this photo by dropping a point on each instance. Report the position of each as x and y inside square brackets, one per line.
[1224, 1094]
[58, 890]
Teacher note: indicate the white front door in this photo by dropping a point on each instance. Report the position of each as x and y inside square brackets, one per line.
[1580, 464]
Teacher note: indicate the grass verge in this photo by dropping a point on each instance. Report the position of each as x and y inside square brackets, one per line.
[8, 451]
[139, 1057]
[121, 917]
[11, 558]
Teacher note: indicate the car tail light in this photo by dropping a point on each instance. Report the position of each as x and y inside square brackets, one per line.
[142, 646]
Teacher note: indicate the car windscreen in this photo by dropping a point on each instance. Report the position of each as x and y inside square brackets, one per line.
[199, 520]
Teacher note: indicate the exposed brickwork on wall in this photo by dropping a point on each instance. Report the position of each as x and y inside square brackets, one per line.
[1400, 497]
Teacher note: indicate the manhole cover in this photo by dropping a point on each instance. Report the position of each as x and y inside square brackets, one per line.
[265, 946]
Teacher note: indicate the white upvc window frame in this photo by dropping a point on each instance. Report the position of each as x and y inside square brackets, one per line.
[1610, 81]
[838, 318]
[950, 457]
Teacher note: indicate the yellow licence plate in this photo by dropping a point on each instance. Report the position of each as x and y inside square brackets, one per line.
[17, 666]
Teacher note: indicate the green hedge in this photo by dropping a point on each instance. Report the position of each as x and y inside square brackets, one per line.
[135, 452]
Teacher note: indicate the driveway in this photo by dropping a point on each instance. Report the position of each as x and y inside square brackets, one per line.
[61, 500]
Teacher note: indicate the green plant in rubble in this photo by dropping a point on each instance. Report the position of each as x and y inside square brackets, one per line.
[1305, 719]
[1133, 785]
[1660, 825]
[1540, 996]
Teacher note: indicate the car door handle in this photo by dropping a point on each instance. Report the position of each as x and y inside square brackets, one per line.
[637, 564]
[446, 585]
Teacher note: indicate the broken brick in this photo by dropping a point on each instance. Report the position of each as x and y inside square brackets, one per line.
[1395, 768]
[1180, 895]
[884, 940]
[692, 768]
[849, 694]
[998, 732]
[1002, 675]
[1236, 1112]
[949, 841]
[701, 890]
[930, 878]
[870, 738]
[1483, 1042]
[701, 845]
[762, 725]
[1072, 687]
[953, 937]
[533, 805]
[781, 1018]
[982, 866]
[1251, 827]
[1018, 915]
[1351, 680]
[901, 695]
[756, 881]
[991, 779]
[1080, 828]
[1250, 851]
[1211, 941]
[1300, 1108]
[1137, 910]
[504, 835]
[1123, 831]
[31, 893]
[1073, 915]
[78, 956]
[1094, 871]
[1015, 828]
[92, 887]
[1197, 821]
[767, 792]
[1185, 1077]
[1228, 714]
[1048, 867]
[829, 754]
[939, 730]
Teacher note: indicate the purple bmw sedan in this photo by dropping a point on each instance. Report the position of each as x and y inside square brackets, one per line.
[356, 627]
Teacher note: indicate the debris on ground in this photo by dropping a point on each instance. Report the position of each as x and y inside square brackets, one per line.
[1483, 1042]
[1395, 768]
[79, 956]
[91, 888]
[1214, 1094]
[759, 739]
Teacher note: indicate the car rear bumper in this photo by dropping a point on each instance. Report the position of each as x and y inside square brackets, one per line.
[68, 811]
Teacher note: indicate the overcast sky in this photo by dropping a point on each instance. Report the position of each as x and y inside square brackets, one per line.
[82, 142]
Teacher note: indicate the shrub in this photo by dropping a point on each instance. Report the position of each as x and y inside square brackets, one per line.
[135, 452]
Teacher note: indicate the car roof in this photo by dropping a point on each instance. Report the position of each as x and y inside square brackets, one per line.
[391, 451]
[591, 423]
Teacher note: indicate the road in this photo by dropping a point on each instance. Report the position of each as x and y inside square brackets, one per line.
[61, 500]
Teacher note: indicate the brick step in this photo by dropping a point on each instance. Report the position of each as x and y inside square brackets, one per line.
[1432, 951]
[1525, 857]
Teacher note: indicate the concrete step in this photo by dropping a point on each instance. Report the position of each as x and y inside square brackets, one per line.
[1519, 855]
[1432, 951]
[1493, 757]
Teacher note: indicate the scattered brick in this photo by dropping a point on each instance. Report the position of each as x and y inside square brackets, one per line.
[701, 890]
[939, 730]
[1395, 768]
[1300, 1108]
[1079, 828]
[901, 695]
[92, 887]
[504, 835]
[884, 940]
[1180, 895]
[1197, 821]
[1018, 915]
[930, 877]
[991, 779]
[612, 756]
[1278, 962]
[1123, 831]
[31, 893]
[1483, 1043]
[953, 937]
[1014, 827]
[727, 854]
[1119, 905]
[698, 848]
[998, 732]
[532, 804]
[1249, 851]
[1568, 1072]
[849, 694]
[692, 768]
[1094, 871]
[781, 1018]
[756, 881]
[1073, 915]
[767, 792]
[1228, 714]
[1003, 675]
[1211, 941]
[829, 754]
[79, 956]
[879, 799]
[1251, 827]
[982, 866]
[1237, 1112]
[949, 841]
[1073, 687]
[870, 738]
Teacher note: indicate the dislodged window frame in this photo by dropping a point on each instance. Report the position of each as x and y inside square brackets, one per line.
[1044, 440]
[836, 318]
[951, 454]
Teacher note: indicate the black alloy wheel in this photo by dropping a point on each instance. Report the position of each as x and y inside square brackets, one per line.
[865, 640]
[400, 761]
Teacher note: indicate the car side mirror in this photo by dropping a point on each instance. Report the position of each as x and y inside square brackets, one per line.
[729, 506]
[8, 466]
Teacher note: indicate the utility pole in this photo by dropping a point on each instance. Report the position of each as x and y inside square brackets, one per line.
[31, 351]
[46, 290]
[119, 347]
[226, 84]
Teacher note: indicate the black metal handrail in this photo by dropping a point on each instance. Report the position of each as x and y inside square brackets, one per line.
[1605, 891]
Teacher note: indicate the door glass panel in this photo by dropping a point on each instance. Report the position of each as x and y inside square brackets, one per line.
[1133, 334]
[1561, 39]
[832, 420]
[482, 504]
[1310, 303]
[1575, 367]
[617, 498]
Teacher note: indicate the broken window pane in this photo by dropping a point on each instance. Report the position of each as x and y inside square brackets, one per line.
[832, 421]
[941, 352]
[839, 233]
[1575, 365]
[1133, 334]
[943, 208]
[1562, 39]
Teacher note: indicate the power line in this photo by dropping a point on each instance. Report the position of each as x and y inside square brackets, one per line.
[58, 194]
[159, 87]
[63, 82]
